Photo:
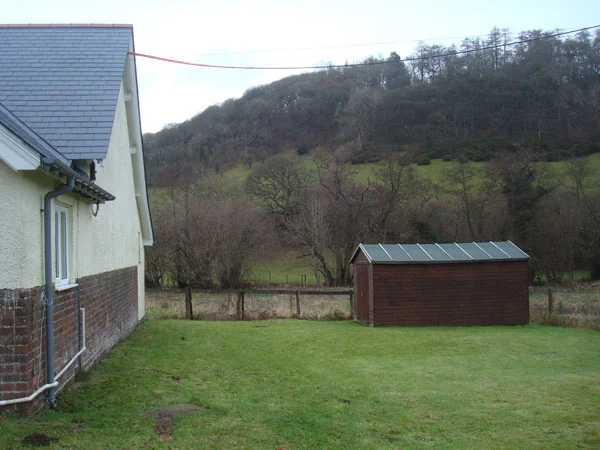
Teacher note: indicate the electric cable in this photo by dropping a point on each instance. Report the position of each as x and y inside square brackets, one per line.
[369, 63]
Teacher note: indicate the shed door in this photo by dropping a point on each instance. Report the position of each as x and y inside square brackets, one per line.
[361, 305]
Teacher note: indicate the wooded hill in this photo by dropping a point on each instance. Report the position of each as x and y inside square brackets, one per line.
[542, 96]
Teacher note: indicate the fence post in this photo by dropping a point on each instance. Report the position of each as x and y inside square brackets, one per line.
[189, 314]
[550, 302]
[240, 305]
[298, 311]
[352, 302]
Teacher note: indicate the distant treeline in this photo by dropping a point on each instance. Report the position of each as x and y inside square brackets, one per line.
[542, 96]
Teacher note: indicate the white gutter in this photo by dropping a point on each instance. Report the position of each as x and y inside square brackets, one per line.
[29, 398]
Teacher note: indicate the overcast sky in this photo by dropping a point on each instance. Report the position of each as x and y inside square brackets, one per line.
[271, 32]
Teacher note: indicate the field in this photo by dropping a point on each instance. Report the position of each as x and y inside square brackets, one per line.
[436, 171]
[574, 305]
[329, 304]
[292, 384]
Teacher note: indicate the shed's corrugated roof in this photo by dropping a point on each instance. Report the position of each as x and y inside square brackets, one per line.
[63, 82]
[456, 252]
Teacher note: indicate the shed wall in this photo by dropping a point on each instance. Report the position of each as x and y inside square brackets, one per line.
[488, 293]
[362, 283]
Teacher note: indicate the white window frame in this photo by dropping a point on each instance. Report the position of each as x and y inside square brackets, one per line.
[62, 245]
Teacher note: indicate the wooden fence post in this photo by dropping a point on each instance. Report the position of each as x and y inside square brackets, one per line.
[189, 314]
[240, 305]
[298, 311]
[550, 302]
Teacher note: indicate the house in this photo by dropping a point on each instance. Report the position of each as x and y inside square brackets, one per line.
[74, 216]
[474, 283]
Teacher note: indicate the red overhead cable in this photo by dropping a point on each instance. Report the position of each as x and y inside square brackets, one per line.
[371, 63]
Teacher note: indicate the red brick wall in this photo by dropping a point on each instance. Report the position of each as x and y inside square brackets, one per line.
[489, 293]
[110, 301]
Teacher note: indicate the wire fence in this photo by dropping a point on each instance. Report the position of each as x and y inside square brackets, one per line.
[255, 304]
[574, 308]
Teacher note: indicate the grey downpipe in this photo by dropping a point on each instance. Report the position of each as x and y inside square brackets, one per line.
[78, 305]
[49, 289]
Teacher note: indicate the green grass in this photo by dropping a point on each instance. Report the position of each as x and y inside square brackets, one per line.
[333, 385]
[436, 171]
[283, 266]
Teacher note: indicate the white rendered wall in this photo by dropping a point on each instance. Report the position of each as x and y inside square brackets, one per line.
[21, 228]
[110, 241]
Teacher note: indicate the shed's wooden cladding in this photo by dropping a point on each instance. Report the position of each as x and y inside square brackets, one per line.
[427, 294]
[491, 293]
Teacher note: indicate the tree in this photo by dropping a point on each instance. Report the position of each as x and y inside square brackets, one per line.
[361, 113]
[476, 188]
[523, 192]
[588, 204]
[279, 186]
[395, 185]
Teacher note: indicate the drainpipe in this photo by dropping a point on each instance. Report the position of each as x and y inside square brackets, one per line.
[49, 288]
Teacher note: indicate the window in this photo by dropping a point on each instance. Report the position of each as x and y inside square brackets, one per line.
[61, 241]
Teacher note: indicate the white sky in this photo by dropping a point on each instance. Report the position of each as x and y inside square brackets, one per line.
[191, 30]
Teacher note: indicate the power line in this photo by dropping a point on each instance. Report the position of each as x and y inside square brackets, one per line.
[322, 47]
[370, 63]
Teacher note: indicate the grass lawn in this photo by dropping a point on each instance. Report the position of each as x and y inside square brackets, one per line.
[331, 385]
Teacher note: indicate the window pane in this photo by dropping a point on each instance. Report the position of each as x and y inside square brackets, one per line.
[57, 244]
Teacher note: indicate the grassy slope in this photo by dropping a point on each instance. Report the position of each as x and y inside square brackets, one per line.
[433, 172]
[283, 266]
[298, 384]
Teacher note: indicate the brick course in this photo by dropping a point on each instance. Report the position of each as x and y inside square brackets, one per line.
[111, 304]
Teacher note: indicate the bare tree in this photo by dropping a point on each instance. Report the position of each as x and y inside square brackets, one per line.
[279, 185]
[478, 190]
[581, 174]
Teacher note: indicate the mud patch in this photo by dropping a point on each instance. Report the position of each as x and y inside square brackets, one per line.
[38, 440]
[164, 418]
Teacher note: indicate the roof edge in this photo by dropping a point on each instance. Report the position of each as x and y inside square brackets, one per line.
[360, 247]
[66, 25]
[29, 136]
[83, 185]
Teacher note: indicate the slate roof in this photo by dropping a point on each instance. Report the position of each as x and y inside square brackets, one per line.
[51, 161]
[441, 253]
[27, 135]
[63, 82]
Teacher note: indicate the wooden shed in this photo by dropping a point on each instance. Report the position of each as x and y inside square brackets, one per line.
[475, 283]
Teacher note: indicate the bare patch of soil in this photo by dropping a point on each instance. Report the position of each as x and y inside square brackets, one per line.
[38, 440]
[165, 418]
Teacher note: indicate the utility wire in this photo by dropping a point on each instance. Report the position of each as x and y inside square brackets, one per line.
[322, 47]
[370, 63]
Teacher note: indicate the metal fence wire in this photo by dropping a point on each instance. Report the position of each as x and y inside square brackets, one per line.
[251, 304]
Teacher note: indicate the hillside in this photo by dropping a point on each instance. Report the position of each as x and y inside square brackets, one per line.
[541, 97]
